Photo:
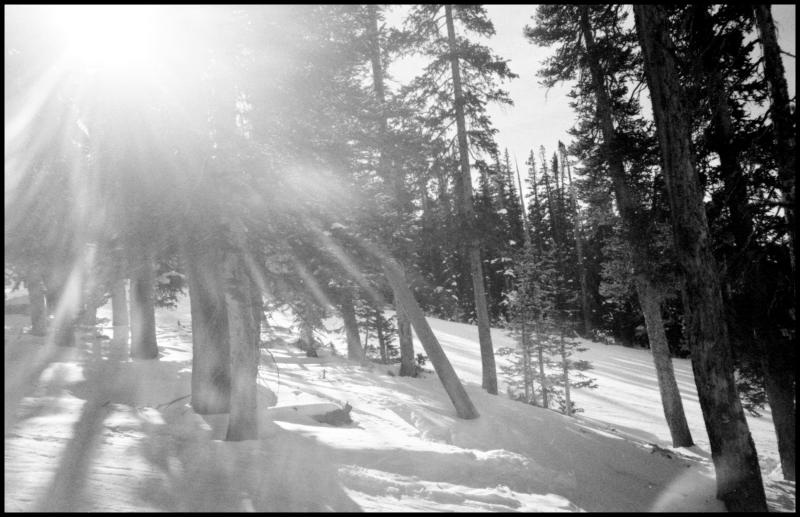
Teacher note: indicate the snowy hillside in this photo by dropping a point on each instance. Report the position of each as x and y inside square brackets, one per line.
[87, 430]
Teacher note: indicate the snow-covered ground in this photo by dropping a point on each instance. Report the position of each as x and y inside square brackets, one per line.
[88, 430]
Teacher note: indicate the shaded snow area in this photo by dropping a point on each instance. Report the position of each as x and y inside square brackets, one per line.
[87, 429]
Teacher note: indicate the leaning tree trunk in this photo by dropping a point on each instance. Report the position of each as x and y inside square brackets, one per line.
[739, 482]
[450, 381]
[407, 365]
[38, 305]
[630, 208]
[143, 310]
[650, 301]
[489, 369]
[781, 116]
[242, 422]
[211, 375]
[779, 380]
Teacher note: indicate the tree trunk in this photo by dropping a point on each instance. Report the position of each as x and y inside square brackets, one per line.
[530, 393]
[257, 305]
[354, 350]
[489, 381]
[450, 381]
[242, 422]
[779, 377]
[650, 302]
[781, 116]
[62, 305]
[38, 305]
[565, 369]
[90, 297]
[89, 316]
[119, 315]
[779, 380]
[143, 311]
[739, 482]
[119, 304]
[381, 338]
[526, 360]
[407, 361]
[585, 306]
[211, 375]
[403, 326]
[542, 377]
[630, 209]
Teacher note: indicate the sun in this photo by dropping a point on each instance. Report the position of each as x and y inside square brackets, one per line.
[114, 41]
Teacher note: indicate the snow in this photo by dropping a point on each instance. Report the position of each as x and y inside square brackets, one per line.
[88, 430]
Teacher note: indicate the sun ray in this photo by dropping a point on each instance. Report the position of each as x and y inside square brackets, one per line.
[311, 283]
[348, 264]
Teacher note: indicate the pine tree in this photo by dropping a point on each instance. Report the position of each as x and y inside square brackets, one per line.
[723, 85]
[782, 116]
[473, 72]
[403, 325]
[553, 20]
[739, 482]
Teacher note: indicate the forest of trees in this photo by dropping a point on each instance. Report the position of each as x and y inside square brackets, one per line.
[279, 164]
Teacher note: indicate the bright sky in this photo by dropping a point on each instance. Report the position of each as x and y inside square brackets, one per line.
[542, 117]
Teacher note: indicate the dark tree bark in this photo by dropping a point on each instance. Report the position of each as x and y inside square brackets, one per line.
[542, 376]
[355, 352]
[306, 340]
[489, 377]
[739, 482]
[407, 364]
[630, 209]
[778, 373]
[452, 385]
[242, 422]
[211, 375]
[257, 305]
[781, 116]
[650, 300]
[143, 310]
[780, 387]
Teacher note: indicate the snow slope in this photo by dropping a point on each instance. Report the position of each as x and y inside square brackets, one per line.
[88, 430]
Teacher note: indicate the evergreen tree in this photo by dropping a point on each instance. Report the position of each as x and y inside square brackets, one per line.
[739, 482]
[473, 73]
[607, 59]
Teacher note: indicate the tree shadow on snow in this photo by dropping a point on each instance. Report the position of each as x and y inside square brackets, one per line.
[281, 472]
[110, 382]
